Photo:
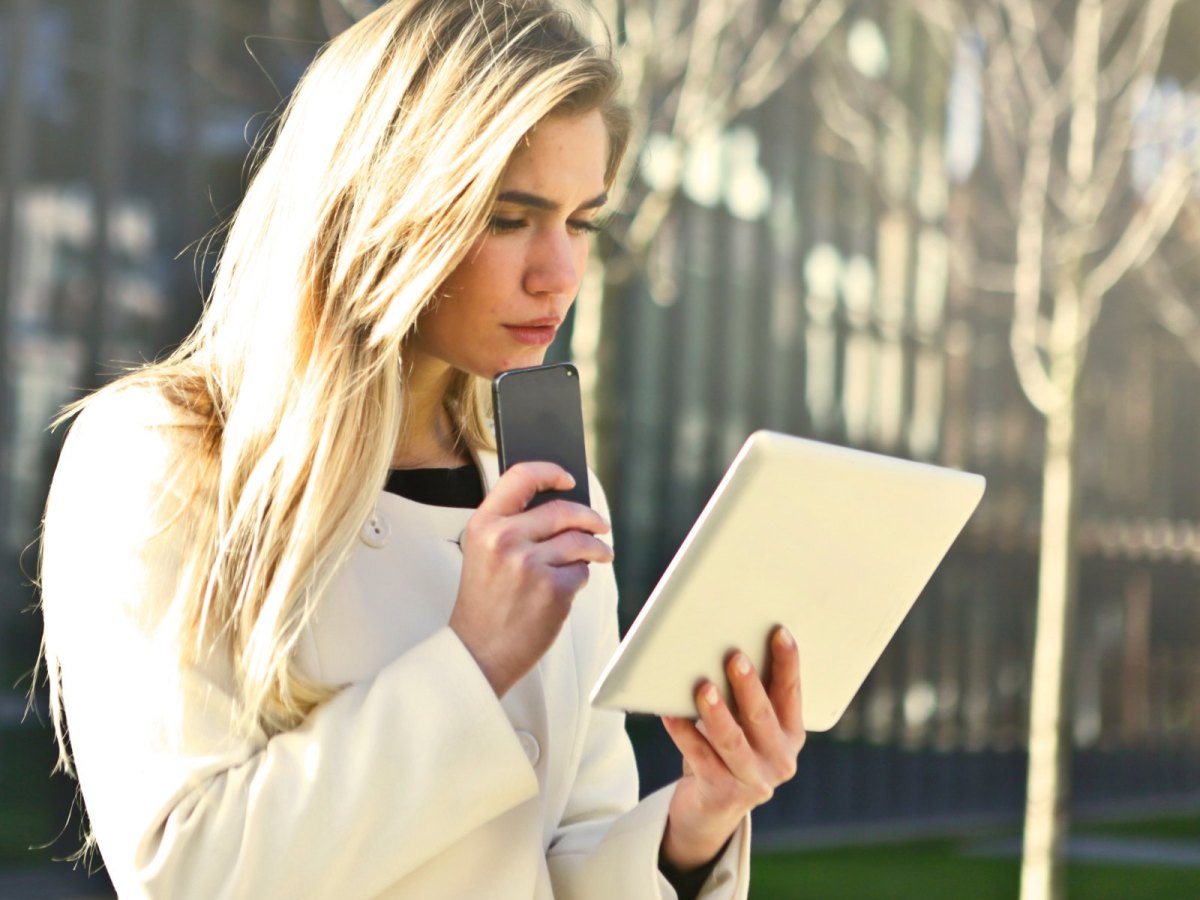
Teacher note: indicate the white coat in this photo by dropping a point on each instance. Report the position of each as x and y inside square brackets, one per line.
[414, 781]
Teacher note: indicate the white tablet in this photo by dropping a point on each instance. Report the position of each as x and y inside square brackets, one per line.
[834, 543]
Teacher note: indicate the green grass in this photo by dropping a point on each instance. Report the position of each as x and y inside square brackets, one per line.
[930, 870]
[942, 870]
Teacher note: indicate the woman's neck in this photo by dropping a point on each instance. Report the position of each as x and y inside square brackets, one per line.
[429, 439]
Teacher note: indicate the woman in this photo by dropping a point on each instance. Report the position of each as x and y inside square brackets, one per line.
[307, 641]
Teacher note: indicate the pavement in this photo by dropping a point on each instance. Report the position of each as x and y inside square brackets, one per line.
[1114, 850]
[57, 881]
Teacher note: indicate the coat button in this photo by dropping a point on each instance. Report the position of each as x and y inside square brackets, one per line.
[376, 531]
[533, 750]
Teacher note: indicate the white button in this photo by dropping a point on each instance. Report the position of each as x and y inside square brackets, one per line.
[533, 750]
[376, 531]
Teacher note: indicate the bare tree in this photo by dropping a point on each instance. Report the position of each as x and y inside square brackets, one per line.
[692, 67]
[1063, 226]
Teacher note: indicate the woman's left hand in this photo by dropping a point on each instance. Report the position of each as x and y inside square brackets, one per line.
[733, 759]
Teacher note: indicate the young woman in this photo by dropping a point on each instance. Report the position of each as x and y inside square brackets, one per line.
[307, 642]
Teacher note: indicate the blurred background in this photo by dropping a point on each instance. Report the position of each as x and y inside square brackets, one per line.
[964, 233]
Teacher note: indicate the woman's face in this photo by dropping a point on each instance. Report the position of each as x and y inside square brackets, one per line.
[503, 304]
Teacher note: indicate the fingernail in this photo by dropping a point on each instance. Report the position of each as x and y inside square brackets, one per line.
[711, 696]
[742, 665]
[785, 637]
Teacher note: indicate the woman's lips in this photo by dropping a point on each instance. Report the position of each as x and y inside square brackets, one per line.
[533, 335]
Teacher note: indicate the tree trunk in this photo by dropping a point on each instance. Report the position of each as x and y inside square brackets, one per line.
[1048, 791]
[595, 352]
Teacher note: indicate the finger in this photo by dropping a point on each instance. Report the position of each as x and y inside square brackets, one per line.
[572, 547]
[726, 737]
[570, 579]
[776, 747]
[699, 758]
[516, 487]
[785, 683]
[755, 712]
[559, 516]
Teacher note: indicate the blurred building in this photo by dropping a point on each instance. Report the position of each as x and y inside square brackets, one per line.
[784, 295]
[126, 128]
[822, 310]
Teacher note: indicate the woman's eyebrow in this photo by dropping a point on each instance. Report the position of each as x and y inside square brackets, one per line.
[523, 198]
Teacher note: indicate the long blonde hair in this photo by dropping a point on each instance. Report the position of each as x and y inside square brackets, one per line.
[382, 173]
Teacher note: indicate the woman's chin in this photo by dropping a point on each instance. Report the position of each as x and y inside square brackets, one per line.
[521, 361]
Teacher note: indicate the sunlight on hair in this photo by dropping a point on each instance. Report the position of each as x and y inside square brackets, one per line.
[367, 193]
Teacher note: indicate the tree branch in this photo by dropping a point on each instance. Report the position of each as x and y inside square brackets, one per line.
[1000, 68]
[1117, 82]
[694, 95]
[944, 16]
[1007, 160]
[841, 117]
[1084, 73]
[1024, 34]
[1027, 281]
[1141, 52]
[659, 17]
[710, 92]
[1112, 156]
[1144, 233]
[1166, 303]
[797, 30]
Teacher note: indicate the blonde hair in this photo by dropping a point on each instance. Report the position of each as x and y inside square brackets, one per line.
[382, 173]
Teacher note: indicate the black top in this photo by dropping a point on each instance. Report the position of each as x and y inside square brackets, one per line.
[460, 487]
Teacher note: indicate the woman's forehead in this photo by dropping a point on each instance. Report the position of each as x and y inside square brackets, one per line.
[562, 159]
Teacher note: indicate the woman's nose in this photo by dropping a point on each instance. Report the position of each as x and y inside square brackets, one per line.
[554, 265]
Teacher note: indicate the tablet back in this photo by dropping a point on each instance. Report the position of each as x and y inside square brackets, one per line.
[834, 543]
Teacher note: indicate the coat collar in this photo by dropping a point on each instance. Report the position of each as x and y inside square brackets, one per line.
[446, 522]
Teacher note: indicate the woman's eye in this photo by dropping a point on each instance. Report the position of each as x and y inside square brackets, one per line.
[583, 226]
[500, 224]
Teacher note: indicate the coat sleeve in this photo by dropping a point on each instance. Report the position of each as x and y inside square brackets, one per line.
[607, 843]
[376, 781]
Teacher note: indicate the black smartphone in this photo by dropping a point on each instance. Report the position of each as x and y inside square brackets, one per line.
[539, 418]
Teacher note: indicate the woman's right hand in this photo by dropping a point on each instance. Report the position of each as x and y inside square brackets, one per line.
[521, 571]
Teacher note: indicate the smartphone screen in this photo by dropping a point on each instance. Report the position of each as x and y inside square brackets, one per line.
[539, 418]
